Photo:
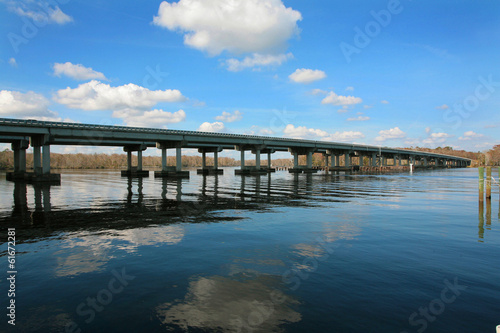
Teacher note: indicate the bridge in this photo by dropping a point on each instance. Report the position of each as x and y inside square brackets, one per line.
[41, 135]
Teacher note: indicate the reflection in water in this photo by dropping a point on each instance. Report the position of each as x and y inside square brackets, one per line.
[231, 305]
[43, 207]
[85, 252]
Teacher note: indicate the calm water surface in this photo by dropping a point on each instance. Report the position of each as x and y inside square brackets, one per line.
[279, 253]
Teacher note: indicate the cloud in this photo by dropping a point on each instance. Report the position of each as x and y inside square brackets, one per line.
[95, 95]
[217, 127]
[334, 99]
[154, 118]
[436, 138]
[469, 135]
[40, 12]
[360, 118]
[318, 92]
[237, 26]
[302, 132]
[367, 106]
[17, 104]
[303, 75]
[77, 72]
[229, 118]
[393, 133]
[384, 102]
[28, 105]
[256, 60]
[442, 107]
[349, 89]
[13, 62]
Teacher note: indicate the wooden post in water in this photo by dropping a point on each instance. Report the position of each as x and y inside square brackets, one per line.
[481, 183]
[488, 183]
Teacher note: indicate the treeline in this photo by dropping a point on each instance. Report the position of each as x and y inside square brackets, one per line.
[119, 161]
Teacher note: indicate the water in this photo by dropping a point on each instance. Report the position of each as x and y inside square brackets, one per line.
[313, 253]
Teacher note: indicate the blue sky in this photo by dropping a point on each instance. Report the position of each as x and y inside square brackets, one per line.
[390, 73]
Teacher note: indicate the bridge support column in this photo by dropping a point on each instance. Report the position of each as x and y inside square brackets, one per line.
[19, 149]
[337, 160]
[296, 151]
[326, 162]
[374, 160]
[41, 161]
[210, 170]
[347, 159]
[131, 170]
[257, 169]
[361, 160]
[139, 160]
[171, 171]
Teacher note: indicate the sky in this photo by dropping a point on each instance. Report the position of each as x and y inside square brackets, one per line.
[386, 73]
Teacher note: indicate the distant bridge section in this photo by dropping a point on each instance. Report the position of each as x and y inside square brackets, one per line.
[42, 134]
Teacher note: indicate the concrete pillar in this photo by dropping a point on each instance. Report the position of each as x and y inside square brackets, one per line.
[46, 160]
[337, 160]
[295, 160]
[203, 160]
[242, 159]
[309, 159]
[178, 159]
[16, 160]
[425, 161]
[361, 160]
[37, 161]
[139, 160]
[269, 160]
[22, 160]
[384, 160]
[129, 160]
[257, 158]
[164, 159]
[374, 159]
[347, 161]
[216, 160]
[326, 161]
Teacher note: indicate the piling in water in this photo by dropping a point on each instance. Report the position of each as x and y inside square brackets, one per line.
[488, 183]
[481, 183]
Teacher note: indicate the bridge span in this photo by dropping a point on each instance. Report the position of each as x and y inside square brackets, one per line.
[41, 135]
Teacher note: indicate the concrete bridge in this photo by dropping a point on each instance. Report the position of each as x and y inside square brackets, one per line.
[41, 135]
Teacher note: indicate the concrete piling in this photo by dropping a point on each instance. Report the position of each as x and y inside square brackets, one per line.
[488, 183]
[481, 183]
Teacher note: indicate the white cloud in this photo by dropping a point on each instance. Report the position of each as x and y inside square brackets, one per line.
[77, 72]
[428, 130]
[13, 62]
[257, 60]
[40, 12]
[469, 135]
[28, 105]
[335, 99]
[318, 92]
[303, 75]
[442, 107]
[302, 132]
[367, 106]
[154, 118]
[95, 95]
[229, 118]
[436, 138]
[237, 26]
[17, 104]
[360, 118]
[212, 127]
[393, 133]
[384, 102]
[349, 89]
